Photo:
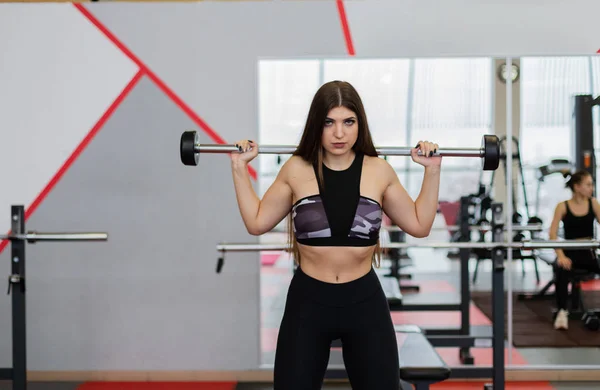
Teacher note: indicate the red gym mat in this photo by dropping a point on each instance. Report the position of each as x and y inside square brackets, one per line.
[591, 285]
[158, 386]
[268, 259]
[482, 356]
[438, 318]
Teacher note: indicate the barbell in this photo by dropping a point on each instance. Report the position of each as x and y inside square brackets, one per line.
[191, 148]
[33, 237]
[526, 245]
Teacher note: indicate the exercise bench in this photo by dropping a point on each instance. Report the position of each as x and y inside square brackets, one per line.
[391, 288]
[420, 364]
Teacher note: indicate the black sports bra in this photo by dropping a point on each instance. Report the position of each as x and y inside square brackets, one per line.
[338, 215]
[578, 226]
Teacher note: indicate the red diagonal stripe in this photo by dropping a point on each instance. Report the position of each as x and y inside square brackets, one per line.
[161, 84]
[345, 27]
[77, 152]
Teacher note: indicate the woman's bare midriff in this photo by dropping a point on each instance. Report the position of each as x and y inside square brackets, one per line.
[335, 264]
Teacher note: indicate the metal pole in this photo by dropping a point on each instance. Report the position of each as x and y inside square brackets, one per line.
[35, 236]
[509, 203]
[548, 244]
[465, 288]
[498, 298]
[17, 285]
[535, 227]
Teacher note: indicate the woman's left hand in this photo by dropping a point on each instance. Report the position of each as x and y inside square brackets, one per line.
[426, 158]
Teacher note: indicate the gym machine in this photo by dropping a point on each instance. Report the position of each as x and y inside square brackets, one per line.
[426, 365]
[583, 141]
[16, 285]
[517, 218]
[399, 259]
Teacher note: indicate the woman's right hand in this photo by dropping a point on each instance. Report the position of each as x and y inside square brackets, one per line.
[564, 262]
[248, 150]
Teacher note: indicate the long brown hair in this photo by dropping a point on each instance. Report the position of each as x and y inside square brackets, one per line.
[329, 96]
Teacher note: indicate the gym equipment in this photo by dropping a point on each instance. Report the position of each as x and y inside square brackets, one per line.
[392, 292]
[496, 371]
[420, 364]
[498, 248]
[583, 133]
[16, 284]
[590, 320]
[516, 155]
[518, 254]
[399, 259]
[190, 150]
[526, 244]
[483, 226]
[32, 237]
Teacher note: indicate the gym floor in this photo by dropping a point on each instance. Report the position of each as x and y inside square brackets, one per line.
[435, 272]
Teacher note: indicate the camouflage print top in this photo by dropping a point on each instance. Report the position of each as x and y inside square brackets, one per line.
[338, 215]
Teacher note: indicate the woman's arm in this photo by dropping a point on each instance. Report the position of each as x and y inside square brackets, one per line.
[414, 217]
[261, 216]
[596, 207]
[559, 212]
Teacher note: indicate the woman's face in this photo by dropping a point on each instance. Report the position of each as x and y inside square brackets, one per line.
[340, 131]
[585, 187]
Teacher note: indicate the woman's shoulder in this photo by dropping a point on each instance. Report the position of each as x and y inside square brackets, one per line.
[295, 165]
[561, 206]
[295, 162]
[376, 161]
[379, 167]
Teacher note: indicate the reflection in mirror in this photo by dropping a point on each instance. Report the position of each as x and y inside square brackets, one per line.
[555, 132]
[453, 102]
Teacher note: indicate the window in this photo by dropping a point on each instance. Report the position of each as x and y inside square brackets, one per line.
[452, 105]
[448, 101]
[286, 89]
[383, 88]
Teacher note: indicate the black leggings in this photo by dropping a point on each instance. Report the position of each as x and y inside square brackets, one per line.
[316, 313]
[580, 260]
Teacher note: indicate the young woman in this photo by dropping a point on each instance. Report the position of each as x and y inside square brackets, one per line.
[577, 215]
[335, 189]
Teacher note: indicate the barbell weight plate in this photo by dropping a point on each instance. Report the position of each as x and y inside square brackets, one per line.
[187, 151]
[491, 150]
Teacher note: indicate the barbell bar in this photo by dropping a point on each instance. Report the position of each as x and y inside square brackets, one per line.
[33, 236]
[454, 228]
[191, 148]
[527, 245]
[475, 228]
